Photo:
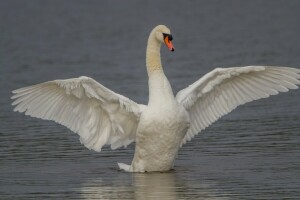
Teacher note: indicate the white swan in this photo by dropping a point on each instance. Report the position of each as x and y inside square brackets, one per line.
[103, 117]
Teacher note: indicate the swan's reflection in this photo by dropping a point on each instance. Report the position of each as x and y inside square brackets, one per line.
[155, 186]
[132, 186]
[145, 186]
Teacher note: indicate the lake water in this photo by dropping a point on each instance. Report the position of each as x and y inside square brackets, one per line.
[252, 153]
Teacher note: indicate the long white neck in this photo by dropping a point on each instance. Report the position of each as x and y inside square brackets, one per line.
[159, 87]
[153, 60]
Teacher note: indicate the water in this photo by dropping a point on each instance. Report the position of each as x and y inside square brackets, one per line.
[252, 153]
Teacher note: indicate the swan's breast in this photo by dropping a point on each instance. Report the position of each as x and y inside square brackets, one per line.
[164, 118]
[158, 138]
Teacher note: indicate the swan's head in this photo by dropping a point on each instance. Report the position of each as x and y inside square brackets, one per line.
[163, 35]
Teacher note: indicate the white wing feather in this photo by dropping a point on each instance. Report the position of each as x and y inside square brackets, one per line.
[223, 89]
[96, 113]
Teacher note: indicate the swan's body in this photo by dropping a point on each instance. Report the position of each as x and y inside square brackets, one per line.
[102, 117]
[162, 126]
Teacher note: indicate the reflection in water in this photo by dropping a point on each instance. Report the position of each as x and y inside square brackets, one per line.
[148, 186]
[142, 186]
[156, 186]
[98, 189]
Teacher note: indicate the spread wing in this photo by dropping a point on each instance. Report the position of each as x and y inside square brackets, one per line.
[223, 89]
[96, 113]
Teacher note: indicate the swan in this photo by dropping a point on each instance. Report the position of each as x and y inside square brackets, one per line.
[103, 117]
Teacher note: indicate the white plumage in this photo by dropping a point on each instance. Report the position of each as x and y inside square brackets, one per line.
[223, 89]
[102, 117]
[97, 114]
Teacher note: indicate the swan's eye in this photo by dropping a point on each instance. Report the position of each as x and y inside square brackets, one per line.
[168, 35]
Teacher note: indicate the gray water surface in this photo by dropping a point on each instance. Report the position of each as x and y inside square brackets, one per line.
[252, 153]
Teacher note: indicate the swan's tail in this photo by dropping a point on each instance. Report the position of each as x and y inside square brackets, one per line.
[125, 167]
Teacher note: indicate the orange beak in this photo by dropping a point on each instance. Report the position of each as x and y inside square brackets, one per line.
[169, 44]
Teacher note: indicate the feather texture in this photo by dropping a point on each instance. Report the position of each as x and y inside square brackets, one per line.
[96, 113]
[223, 89]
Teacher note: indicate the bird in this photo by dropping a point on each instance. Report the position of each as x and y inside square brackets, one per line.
[103, 117]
